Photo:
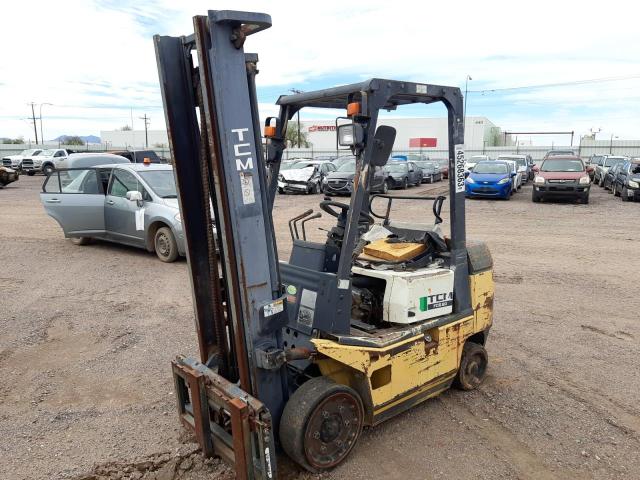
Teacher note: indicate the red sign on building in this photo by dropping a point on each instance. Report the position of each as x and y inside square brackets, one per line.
[422, 142]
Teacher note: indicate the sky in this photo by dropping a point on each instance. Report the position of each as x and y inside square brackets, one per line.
[89, 65]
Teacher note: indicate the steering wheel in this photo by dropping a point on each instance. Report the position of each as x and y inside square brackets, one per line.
[327, 206]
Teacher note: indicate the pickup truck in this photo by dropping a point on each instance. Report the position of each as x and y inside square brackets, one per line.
[15, 161]
[46, 161]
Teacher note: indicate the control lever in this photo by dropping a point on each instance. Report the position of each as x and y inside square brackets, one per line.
[292, 224]
[304, 232]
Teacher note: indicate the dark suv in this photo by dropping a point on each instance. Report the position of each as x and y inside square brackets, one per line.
[561, 177]
[138, 156]
[626, 183]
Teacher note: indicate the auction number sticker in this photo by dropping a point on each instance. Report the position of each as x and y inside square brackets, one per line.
[459, 152]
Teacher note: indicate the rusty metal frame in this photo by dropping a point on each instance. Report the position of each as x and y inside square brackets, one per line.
[226, 421]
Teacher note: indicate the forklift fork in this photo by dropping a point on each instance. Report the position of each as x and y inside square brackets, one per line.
[226, 420]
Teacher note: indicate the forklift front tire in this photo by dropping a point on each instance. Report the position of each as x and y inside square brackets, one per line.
[321, 423]
[473, 367]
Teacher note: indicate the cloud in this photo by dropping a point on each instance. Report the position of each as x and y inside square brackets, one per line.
[96, 63]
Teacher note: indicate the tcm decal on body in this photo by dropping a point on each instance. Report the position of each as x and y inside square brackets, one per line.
[459, 171]
[437, 300]
[244, 163]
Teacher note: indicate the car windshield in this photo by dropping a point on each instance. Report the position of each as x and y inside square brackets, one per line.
[611, 161]
[397, 167]
[299, 165]
[349, 167]
[491, 167]
[597, 159]
[562, 165]
[162, 182]
[47, 153]
[26, 152]
[477, 158]
[287, 165]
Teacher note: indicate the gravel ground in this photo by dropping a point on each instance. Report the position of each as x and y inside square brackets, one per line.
[88, 334]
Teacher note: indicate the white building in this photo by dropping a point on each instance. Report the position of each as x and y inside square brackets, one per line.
[424, 133]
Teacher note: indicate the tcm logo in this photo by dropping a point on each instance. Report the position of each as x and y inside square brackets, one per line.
[437, 300]
[242, 151]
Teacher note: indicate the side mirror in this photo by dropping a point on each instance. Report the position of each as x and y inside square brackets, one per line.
[382, 145]
[350, 135]
[467, 173]
[134, 196]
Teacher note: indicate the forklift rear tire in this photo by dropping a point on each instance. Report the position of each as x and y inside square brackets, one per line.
[165, 245]
[321, 423]
[473, 367]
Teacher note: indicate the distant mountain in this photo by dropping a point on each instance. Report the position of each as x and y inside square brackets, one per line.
[86, 139]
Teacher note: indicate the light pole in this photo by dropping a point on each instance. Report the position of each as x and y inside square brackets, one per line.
[611, 143]
[42, 134]
[295, 90]
[466, 85]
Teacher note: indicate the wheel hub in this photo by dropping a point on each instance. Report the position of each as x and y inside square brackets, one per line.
[332, 430]
[162, 245]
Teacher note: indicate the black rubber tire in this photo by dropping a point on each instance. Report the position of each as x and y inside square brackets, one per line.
[31, 173]
[473, 367]
[534, 197]
[405, 183]
[81, 240]
[585, 200]
[281, 190]
[624, 194]
[165, 245]
[298, 416]
[48, 169]
[616, 193]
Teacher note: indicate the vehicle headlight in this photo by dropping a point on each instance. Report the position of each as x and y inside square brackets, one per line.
[633, 184]
[470, 180]
[177, 217]
[539, 180]
[503, 181]
[585, 180]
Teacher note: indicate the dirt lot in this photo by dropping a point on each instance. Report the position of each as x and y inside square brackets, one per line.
[88, 333]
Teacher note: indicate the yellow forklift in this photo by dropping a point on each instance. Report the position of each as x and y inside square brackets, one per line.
[299, 356]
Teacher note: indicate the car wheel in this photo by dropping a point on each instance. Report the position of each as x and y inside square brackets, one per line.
[48, 169]
[165, 245]
[625, 194]
[81, 240]
[473, 367]
[535, 198]
[601, 182]
[31, 173]
[405, 183]
[585, 200]
[281, 190]
[616, 193]
[321, 423]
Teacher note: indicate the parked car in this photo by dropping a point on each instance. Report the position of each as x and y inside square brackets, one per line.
[561, 177]
[473, 160]
[493, 178]
[132, 204]
[339, 161]
[430, 171]
[8, 175]
[609, 176]
[524, 164]
[403, 174]
[305, 177]
[15, 161]
[601, 170]
[138, 156]
[561, 153]
[444, 167]
[46, 161]
[594, 161]
[340, 182]
[626, 183]
[88, 159]
[517, 182]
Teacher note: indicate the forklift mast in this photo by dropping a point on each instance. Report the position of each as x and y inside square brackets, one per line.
[219, 168]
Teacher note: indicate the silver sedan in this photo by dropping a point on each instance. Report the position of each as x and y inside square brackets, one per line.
[133, 204]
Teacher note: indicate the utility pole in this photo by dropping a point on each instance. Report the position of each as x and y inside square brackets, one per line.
[146, 126]
[33, 117]
[41, 133]
[295, 90]
[466, 85]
